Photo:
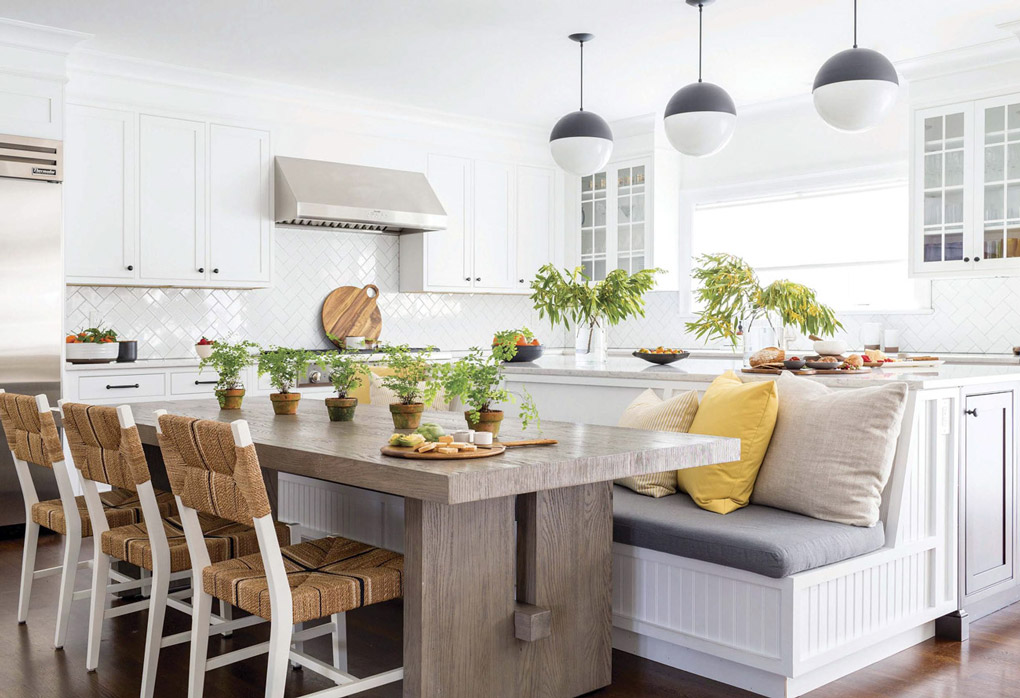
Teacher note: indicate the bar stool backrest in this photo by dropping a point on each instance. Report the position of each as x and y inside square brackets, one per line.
[102, 449]
[30, 429]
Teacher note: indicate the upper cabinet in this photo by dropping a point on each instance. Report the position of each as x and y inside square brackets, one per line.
[500, 228]
[965, 207]
[160, 201]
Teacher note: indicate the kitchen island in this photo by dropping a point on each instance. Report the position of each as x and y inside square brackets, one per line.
[489, 544]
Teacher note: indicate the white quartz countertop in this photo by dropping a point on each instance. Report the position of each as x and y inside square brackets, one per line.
[705, 370]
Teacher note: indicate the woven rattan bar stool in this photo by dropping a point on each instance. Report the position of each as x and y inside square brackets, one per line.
[33, 439]
[214, 469]
[106, 448]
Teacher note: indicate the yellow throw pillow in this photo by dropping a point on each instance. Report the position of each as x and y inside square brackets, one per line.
[649, 411]
[738, 410]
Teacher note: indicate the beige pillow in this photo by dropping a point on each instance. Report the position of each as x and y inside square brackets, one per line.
[649, 411]
[831, 451]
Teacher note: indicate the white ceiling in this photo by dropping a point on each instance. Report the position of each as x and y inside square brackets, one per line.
[510, 61]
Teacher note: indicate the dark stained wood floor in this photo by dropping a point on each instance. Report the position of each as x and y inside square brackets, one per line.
[987, 666]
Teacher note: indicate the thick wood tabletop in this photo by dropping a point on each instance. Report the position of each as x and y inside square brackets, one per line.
[309, 444]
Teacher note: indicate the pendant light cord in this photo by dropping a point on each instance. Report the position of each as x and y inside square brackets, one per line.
[855, 23]
[582, 74]
[701, 11]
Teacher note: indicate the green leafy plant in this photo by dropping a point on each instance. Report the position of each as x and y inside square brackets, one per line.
[346, 370]
[504, 342]
[413, 379]
[284, 366]
[477, 379]
[731, 294]
[569, 297]
[228, 359]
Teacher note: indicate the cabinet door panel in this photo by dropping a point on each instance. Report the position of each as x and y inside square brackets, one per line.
[100, 222]
[238, 204]
[495, 255]
[988, 490]
[535, 221]
[172, 214]
[448, 252]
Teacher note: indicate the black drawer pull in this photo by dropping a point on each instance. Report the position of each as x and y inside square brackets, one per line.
[116, 387]
[972, 413]
[206, 382]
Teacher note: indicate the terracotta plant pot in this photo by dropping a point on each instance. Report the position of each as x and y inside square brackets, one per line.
[407, 416]
[341, 409]
[230, 399]
[285, 403]
[487, 421]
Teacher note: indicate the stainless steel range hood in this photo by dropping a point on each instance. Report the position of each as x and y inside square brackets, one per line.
[353, 197]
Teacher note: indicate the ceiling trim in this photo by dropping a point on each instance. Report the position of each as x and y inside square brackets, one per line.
[959, 60]
[39, 37]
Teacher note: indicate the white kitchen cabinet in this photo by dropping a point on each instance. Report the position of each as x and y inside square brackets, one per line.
[500, 228]
[239, 214]
[100, 198]
[536, 225]
[154, 200]
[615, 218]
[172, 199]
[965, 200]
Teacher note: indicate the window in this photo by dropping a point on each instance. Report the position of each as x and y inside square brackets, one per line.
[850, 245]
[614, 207]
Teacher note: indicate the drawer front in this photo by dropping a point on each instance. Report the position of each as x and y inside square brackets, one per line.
[193, 382]
[120, 386]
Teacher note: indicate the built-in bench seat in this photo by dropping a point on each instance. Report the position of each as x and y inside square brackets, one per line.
[763, 540]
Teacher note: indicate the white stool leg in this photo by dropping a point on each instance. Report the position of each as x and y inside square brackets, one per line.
[340, 641]
[27, 569]
[298, 646]
[72, 546]
[201, 609]
[146, 588]
[154, 632]
[226, 613]
[100, 579]
[279, 652]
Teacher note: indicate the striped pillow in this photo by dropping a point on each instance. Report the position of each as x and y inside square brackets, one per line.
[649, 411]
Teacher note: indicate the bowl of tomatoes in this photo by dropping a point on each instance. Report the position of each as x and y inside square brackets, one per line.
[517, 346]
[661, 355]
[93, 345]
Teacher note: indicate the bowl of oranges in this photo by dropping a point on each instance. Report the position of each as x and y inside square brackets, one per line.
[93, 345]
[517, 345]
[661, 355]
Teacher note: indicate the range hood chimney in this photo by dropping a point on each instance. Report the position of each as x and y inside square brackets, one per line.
[314, 193]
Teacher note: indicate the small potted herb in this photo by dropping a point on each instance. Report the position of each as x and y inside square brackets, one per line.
[477, 380]
[413, 381]
[228, 360]
[346, 372]
[285, 367]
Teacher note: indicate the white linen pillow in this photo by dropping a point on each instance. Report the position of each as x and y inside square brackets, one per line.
[832, 451]
[649, 411]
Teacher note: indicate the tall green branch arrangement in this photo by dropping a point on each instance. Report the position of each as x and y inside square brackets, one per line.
[730, 293]
[568, 297]
[228, 359]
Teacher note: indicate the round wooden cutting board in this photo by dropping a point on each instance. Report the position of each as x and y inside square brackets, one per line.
[408, 452]
[350, 311]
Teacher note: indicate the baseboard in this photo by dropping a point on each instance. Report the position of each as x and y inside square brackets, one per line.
[758, 681]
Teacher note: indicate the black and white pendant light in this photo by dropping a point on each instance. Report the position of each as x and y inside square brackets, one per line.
[700, 118]
[856, 88]
[581, 142]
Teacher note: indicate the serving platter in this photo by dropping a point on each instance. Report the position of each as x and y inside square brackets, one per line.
[409, 452]
[906, 363]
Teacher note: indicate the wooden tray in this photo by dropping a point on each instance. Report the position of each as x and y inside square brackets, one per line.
[408, 452]
[777, 371]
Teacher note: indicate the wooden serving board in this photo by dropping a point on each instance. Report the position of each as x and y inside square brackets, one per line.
[408, 452]
[350, 311]
[777, 371]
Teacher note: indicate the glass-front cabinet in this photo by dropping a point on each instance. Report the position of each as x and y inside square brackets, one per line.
[966, 192]
[614, 221]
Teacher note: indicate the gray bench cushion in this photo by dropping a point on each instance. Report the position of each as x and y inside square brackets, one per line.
[770, 542]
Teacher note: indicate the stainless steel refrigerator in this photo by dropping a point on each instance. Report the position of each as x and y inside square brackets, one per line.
[31, 291]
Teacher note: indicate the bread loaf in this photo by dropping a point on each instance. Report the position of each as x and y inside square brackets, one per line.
[767, 355]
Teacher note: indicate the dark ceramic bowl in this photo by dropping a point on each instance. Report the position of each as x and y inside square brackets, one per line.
[662, 358]
[794, 365]
[526, 352]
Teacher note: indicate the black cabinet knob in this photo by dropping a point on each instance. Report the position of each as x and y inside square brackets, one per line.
[966, 259]
[467, 278]
[520, 281]
[977, 259]
[478, 278]
[201, 270]
[216, 271]
[972, 413]
[131, 267]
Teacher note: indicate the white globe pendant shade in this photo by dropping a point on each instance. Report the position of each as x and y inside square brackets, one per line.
[855, 89]
[581, 143]
[700, 119]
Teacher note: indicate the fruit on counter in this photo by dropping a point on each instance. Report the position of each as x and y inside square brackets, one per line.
[794, 358]
[407, 440]
[205, 342]
[660, 350]
[92, 335]
[430, 431]
[853, 362]
[519, 337]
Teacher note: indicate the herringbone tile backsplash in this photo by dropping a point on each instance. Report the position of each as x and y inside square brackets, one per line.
[970, 315]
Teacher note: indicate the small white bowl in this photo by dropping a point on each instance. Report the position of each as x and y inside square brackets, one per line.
[465, 437]
[483, 438]
[830, 347]
[204, 351]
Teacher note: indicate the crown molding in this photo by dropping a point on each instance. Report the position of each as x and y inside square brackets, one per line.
[38, 37]
[959, 60]
[108, 65]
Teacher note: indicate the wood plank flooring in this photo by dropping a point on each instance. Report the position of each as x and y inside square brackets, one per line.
[987, 666]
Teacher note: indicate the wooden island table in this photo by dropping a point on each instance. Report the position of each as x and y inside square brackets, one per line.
[508, 559]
